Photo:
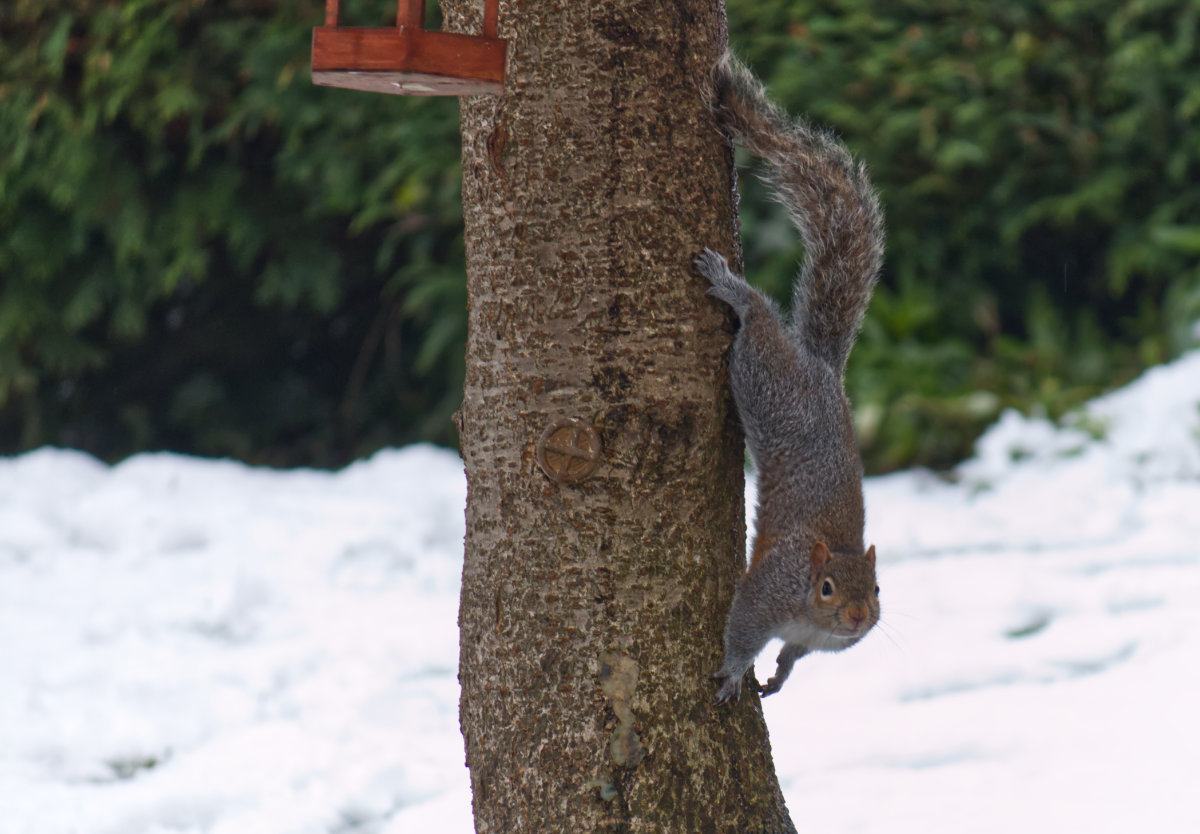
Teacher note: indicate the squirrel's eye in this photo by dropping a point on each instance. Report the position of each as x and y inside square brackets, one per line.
[827, 589]
[876, 590]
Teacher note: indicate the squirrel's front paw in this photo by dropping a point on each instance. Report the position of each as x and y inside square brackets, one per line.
[772, 686]
[731, 688]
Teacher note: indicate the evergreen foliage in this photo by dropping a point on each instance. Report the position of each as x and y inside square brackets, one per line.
[199, 250]
[1039, 165]
[202, 251]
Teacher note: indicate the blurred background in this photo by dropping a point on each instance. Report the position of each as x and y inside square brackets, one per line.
[202, 252]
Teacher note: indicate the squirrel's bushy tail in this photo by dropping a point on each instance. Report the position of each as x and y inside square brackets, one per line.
[830, 200]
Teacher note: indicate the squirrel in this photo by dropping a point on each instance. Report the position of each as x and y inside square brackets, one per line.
[809, 581]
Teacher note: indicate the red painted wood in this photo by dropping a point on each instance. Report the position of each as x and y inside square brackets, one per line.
[491, 14]
[408, 59]
[411, 13]
[345, 56]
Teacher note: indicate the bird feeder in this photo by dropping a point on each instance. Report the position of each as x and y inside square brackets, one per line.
[407, 59]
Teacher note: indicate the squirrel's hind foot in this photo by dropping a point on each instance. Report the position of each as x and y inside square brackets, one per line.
[726, 285]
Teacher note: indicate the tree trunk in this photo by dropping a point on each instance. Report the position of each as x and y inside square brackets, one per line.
[592, 610]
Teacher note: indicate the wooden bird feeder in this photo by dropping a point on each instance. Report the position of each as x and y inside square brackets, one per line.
[408, 60]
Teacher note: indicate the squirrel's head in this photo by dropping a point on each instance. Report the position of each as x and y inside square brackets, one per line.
[844, 596]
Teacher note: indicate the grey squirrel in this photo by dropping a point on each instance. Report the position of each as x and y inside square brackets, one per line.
[809, 581]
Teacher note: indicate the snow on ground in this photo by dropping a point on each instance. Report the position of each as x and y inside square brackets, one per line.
[192, 646]
[198, 646]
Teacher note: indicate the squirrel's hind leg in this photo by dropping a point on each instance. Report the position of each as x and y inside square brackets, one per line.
[726, 285]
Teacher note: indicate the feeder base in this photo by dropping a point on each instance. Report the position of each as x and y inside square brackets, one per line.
[405, 61]
[406, 83]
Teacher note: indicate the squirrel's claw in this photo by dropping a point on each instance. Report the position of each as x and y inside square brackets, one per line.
[724, 284]
[772, 686]
[731, 689]
[710, 264]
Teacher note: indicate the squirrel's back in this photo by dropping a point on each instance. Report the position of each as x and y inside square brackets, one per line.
[831, 202]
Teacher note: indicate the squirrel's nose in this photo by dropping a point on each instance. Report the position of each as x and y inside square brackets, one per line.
[857, 615]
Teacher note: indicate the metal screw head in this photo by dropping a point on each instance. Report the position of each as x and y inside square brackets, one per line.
[568, 450]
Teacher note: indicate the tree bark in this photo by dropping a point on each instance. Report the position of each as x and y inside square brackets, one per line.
[592, 612]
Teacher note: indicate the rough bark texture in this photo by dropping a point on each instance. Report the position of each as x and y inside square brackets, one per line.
[592, 613]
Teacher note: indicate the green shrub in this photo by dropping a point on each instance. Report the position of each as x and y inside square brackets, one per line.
[1038, 162]
[201, 250]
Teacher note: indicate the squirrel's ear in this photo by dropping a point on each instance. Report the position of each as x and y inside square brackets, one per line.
[871, 555]
[820, 555]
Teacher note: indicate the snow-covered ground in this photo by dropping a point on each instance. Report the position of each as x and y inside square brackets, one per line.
[196, 646]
